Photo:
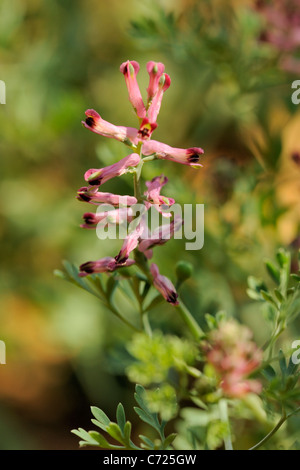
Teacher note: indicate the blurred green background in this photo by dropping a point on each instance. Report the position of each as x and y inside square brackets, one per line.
[228, 95]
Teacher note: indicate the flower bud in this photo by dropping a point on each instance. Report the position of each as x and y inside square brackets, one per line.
[184, 270]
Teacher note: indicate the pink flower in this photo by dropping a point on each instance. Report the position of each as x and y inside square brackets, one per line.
[116, 216]
[164, 285]
[282, 30]
[189, 156]
[159, 236]
[163, 84]
[130, 243]
[107, 264]
[155, 70]
[96, 124]
[96, 197]
[234, 357]
[154, 197]
[100, 176]
[130, 70]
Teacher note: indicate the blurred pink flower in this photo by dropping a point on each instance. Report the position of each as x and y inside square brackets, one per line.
[234, 357]
[282, 29]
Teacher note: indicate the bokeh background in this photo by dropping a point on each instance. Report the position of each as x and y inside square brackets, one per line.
[230, 94]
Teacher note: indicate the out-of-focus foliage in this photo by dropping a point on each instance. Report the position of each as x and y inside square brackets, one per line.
[229, 96]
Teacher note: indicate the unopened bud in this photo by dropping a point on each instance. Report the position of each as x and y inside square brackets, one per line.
[184, 270]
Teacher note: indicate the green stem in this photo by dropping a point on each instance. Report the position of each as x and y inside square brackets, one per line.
[146, 324]
[189, 320]
[118, 315]
[283, 418]
[223, 407]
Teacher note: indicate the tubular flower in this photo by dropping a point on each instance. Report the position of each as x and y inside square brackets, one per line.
[130, 243]
[97, 177]
[86, 194]
[164, 285]
[189, 156]
[116, 216]
[103, 265]
[234, 357]
[130, 70]
[161, 203]
[154, 108]
[155, 70]
[95, 123]
[158, 236]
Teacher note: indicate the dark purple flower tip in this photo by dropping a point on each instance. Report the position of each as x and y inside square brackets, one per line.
[194, 154]
[87, 267]
[172, 298]
[89, 218]
[296, 157]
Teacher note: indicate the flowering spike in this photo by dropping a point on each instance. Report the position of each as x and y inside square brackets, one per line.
[95, 123]
[189, 156]
[164, 285]
[130, 70]
[96, 177]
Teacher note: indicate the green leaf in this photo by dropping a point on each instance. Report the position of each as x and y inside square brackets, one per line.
[102, 442]
[282, 364]
[211, 321]
[100, 416]
[291, 369]
[115, 432]
[87, 438]
[111, 286]
[279, 295]
[147, 441]
[168, 441]
[282, 257]
[269, 372]
[273, 271]
[121, 418]
[268, 297]
[145, 416]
